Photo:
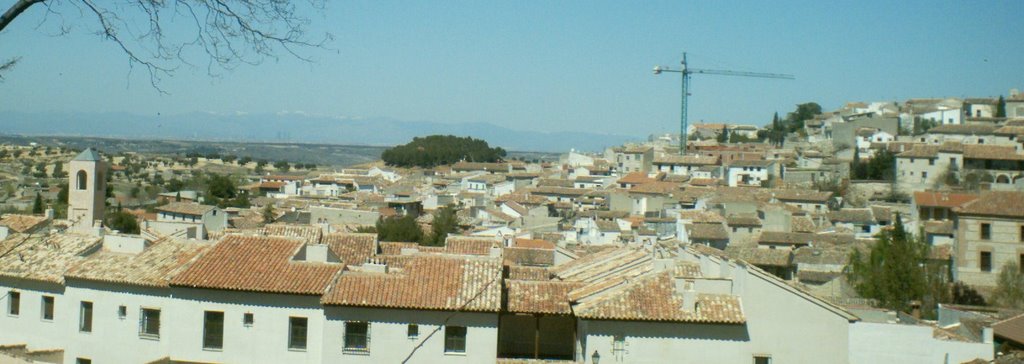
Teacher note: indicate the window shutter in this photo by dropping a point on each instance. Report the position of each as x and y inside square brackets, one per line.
[142, 320]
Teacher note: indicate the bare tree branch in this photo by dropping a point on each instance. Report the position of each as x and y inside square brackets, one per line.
[7, 66]
[227, 33]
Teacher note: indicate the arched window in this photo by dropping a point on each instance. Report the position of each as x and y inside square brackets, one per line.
[81, 182]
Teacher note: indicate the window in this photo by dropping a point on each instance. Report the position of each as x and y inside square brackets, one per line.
[986, 261]
[455, 339]
[14, 303]
[357, 336]
[122, 312]
[1020, 261]
[297, 333]
[85, 317]
[924, 175]
[1022, 235]
[247, 319]
[149, 323]
[81, 180]
[762, 359]
[931, 161]
[413, 331]
[48, 308]
[213, 330]
[83, 361]
[986, 231]
[619, 346]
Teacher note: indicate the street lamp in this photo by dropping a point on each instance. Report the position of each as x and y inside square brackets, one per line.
[596, 358]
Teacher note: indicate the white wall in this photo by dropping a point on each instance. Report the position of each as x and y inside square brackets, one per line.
[909, 344]
[389, 342]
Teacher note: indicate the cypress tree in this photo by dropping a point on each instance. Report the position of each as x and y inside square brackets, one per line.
[38, 207]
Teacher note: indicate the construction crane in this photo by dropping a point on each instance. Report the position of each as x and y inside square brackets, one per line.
[686, 72]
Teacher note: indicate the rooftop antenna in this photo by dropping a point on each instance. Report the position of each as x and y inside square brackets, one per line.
[686, 72]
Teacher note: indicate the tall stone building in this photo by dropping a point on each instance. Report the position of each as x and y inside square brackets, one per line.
[87, 189]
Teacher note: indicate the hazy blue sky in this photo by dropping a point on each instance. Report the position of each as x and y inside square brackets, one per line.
[555, 65]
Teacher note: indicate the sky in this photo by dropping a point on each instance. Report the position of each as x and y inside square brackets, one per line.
[550, 65]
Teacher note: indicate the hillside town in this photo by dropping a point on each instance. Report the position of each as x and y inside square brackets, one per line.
[879, 232]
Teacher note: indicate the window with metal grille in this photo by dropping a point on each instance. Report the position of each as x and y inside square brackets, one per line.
[413, 331]
[213, 330]
[248, 319]
[455, 339]
[619, 346]
[357, 336]
[762, 359]
[85, 317]
[149, 323]
[297, 333]
[14, 303]
[122, 312]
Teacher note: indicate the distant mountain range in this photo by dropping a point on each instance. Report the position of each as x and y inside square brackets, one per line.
[291, 127]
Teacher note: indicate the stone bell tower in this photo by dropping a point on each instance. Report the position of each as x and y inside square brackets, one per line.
[87, 175]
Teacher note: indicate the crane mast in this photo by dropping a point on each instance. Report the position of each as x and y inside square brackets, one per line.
[686, 72]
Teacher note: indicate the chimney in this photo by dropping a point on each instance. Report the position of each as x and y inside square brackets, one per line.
[689, 298]
[375, 266]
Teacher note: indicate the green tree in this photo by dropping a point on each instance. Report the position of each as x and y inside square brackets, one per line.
[1009, 290]
[795, 120]
[895, 271]
[38, 207]
[268, 213]
[402, 228]
[123, 222]
[62, 195]
[445, 222]
[1001, 107]
[856, 171]
[437, 150]
[58, 170]
[282, 166]
[220, 187]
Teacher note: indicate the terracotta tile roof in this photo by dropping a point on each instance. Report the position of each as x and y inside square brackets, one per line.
[352, 248]
[257, 264]
[470, 245]
[153, 267]
[686, 160]
[707, 231]
[308, 233]
[534, 244]
[622, 262]
[546, 297]
[555, 182]
[994, 152]
[777, 238]
[688, 270]
[635, 178]
[852, 215]
[995, 203]
[528, 256]
[395, 247]
[528, 273]
[559, 191]
[743, 220]
[656, 187]
[761, 257]
[653, 298]
[701, 216]
[43, 257]
[802, 195]
[474, 166]
[22, 223]
[1010, 329]
[186, 208]
[427, 282]
[272, 184]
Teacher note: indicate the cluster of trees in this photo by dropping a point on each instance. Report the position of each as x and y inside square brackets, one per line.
[406, 229]
[897, 271]
[221, 191]
[881, 167]
[793, 123]
[438, 150]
